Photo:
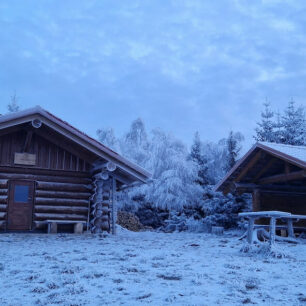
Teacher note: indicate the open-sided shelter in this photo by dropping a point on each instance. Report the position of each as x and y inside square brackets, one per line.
[275, 175]
[51, 171]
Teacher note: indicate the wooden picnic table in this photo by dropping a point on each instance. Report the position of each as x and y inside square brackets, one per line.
[273, 216]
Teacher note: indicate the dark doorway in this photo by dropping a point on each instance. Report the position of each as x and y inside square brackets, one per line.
[20, 208]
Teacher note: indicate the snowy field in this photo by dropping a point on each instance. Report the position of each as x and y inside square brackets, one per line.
[145, 269]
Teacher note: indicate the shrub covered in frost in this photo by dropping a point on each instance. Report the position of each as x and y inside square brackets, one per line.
[220, 210]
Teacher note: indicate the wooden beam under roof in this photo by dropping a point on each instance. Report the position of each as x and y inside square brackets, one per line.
[264, 169]
[250, 187]
[284, 177]
[250, 165]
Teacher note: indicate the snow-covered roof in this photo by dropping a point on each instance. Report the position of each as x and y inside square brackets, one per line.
[298, 152]
[136, 172]
[295, 155]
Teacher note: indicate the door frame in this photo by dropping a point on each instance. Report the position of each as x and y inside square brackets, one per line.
[31, 197]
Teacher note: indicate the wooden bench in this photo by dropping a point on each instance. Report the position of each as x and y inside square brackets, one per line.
[78, 225]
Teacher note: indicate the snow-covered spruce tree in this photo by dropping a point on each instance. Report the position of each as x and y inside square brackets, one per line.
[196, 155]
[265, 130]
[221, 210]
[293, 125]
[233, 147]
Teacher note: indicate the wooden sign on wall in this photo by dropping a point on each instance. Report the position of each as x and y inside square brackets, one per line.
[25, 159]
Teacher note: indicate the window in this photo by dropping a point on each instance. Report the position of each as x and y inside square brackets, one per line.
[21, 194]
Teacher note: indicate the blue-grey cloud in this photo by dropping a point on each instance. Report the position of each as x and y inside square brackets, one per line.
[183, 65]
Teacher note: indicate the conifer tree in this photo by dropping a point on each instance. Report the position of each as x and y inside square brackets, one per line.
[233, 147]
[293, 123]
[13, 106]
[197, 156]
[265, 130]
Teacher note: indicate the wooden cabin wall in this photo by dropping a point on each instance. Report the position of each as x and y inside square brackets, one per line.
[48, 155]
[57, 196]
[292, 202]
[63, 183]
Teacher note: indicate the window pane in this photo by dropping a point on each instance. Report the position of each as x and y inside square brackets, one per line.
[21, 193]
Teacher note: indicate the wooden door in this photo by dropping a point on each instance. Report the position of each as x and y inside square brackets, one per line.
[20, 208]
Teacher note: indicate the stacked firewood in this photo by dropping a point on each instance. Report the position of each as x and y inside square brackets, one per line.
[129, 221]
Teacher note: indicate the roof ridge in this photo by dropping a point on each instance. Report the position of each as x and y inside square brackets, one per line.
[281, 144]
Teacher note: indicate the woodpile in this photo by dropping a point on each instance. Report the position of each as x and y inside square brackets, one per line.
[129, 221]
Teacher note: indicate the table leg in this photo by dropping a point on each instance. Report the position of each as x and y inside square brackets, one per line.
[290, 228]
[250, 230]
[272, 230]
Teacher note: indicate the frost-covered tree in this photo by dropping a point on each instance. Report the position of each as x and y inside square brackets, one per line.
[135, 143]
[233, 147]
[174, 190]
[293, 125]
[173, 184]
[108, 138]
[196, 155]
[13, 106]
[223, 210]
[265, 130]
[215, 154]
[174, 175]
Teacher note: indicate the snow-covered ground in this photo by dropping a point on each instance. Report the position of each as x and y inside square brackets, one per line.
[145, 268]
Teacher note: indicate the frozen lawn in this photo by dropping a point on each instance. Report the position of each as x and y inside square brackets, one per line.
[145, 268]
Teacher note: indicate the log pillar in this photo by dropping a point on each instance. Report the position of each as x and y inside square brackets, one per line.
[113, 207]
[100, 211]
[105, 206]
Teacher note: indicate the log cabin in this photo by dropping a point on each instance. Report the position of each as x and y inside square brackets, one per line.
[53, 175]
[275, 175]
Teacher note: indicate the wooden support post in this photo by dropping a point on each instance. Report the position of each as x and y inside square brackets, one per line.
[78, 228]
[272, 230]
[250, 230]
[290, 228]
[256, 200]
[52, 228]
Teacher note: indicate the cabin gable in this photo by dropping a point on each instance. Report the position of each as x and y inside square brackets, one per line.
[45, 149]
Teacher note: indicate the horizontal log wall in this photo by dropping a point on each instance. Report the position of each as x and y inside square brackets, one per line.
[61, 200]
[58, 195]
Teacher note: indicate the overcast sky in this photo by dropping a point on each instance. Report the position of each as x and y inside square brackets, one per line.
[182, 65]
